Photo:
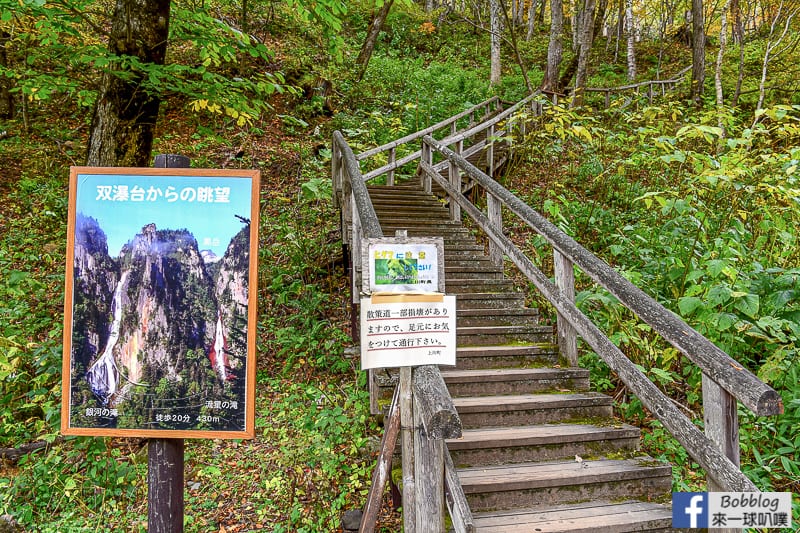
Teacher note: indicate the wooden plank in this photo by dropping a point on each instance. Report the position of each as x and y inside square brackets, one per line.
[565, 282]
[519, 476]
[538, 435]
[511, 374]
[721, 422]
[589, 517]
[407, 436]
[428, 474]
[457, 506]
[494, 212]
[383, 466]
[529, 401]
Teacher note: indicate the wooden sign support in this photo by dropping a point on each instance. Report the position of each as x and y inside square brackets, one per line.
[165, 458]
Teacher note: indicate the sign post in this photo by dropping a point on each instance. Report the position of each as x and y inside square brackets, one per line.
[165, 457]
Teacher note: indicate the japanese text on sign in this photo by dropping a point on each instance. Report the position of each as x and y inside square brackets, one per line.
[407, 333]
[171, 194]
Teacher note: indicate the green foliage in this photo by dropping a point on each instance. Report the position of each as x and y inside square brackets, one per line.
[211, 64]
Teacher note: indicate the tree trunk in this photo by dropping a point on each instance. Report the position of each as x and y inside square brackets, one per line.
[125, 115]
[630, 31]
[698, 51]
[584, 49]
[497, 27]
[6, 100]
[595, 29]
[531, 20]
[372, 37]
[738, 37]
[554, 48]
[723, 38]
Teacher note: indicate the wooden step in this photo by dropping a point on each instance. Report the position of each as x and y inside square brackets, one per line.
[546, 442]
[467, 285]
[488, 300]
[522, 355]
[477, 271]
[463, 250]
[496, 317]
[502, 381]
[524, 409]
[587, 517]
[499, 335]
[528, 484]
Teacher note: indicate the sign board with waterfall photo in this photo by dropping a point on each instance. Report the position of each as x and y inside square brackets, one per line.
[160, 303]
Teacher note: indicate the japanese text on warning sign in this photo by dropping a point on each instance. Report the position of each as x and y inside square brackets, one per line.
[397, 332]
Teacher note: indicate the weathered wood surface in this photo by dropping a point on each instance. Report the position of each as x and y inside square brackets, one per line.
[383, 468]
[589, 517]
[564, 275]
[407, 435]
[457, 506]
[165, 502]
[428, 473]
[721, 422]
[437, 413]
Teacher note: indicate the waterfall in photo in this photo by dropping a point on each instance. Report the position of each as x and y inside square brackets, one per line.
[103, 375]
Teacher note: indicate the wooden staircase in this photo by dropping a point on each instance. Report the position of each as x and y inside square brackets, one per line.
[540, 451]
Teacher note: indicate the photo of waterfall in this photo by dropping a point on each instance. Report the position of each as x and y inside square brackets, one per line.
[158, 302]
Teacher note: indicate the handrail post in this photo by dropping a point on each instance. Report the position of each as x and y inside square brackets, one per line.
[490, 150]
[435, 419]
[454, 175]
[565, 282]
[429, 477]
[407, 432]
[721, 422]
[426, 157]
[392, 158]
[494, 212]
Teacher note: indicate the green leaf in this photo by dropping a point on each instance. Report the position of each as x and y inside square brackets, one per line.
[688, 304]
[748, 304]
[718, 295]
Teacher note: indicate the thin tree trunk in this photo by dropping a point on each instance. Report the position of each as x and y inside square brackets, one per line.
[630, 31]
[554, 48]
[125, 115]
[771, 52]
[723, 38]
[372, 37]
[585, 48]
[496, 21]
[6, 100]
[698, 51]
[738, 36]
[531, 20]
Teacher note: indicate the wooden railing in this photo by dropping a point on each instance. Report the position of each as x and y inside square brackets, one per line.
[653, 87]
[422, 410]
[724, 379]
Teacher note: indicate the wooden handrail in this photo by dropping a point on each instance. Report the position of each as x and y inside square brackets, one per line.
[731, 376]
[427, 131]
[759, 397]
